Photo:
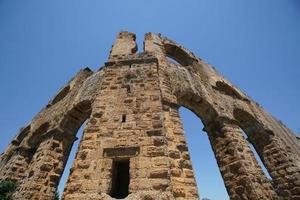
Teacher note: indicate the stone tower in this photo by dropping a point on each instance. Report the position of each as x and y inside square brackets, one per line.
[133, 145]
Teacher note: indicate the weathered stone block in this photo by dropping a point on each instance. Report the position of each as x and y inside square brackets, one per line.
[154, 133]
[174, 154]
[121, 152]
[161, 173]
[179, 192]
[155, 151]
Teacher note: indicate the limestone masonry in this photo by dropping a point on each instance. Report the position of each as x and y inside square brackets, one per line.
[133, 145]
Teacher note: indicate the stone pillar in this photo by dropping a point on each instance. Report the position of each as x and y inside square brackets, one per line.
[125, 44]
[46, 168]
[243, 177]
[127, 123]
[182, 175]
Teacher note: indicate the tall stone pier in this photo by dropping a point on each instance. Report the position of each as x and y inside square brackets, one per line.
[133, 145]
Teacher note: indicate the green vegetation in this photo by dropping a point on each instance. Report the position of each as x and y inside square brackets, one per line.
[7, 188]
[56, 197]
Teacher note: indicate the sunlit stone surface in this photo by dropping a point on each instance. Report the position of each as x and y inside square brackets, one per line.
[133, 145]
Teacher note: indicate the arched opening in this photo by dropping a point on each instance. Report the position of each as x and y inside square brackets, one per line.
[36, 137]
[207, 174]
[255, 135]
[272, 151]
[72, 124]
[52, 145]
[178, 54]
[257, 157]
[225, 88]
[66, 172]
[196, 111]
[172, 60]
[74, 118]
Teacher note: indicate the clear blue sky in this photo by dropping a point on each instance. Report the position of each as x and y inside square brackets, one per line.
[255, 44]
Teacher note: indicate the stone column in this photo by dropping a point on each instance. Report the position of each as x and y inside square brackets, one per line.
[182, 175]
[46, 168]
[243, 177]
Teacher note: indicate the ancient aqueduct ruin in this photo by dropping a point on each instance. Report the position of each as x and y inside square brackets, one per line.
[133, 145]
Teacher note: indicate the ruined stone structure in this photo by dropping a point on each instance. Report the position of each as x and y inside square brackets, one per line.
[133, 145]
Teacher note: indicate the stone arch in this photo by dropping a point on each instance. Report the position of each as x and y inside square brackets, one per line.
[60, 95]
[224, 129]
[178, 54]
[203, 153]
[227, 89]
[36, 136]
[200, 107]
[69, 124]
[75, 117]
[52, 147]
[189, 97]
[190, 83]
[272, 152]
[226, 138]
[257, 133]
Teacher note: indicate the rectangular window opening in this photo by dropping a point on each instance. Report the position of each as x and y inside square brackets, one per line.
[120, 179]
[123, 118]
[128, 89]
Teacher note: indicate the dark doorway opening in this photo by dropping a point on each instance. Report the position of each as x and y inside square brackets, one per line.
[120, 179]
[123, 118]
